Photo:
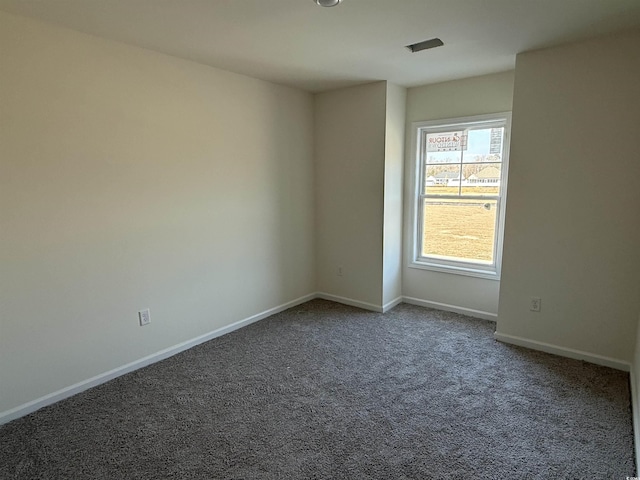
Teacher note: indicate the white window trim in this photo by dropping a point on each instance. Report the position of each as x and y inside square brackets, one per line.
[473, 269]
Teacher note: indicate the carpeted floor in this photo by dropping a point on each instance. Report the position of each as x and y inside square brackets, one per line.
[325, 391]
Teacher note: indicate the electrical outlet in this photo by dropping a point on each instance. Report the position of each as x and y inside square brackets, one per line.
[340, 271]
[536, 304]
[144, 316]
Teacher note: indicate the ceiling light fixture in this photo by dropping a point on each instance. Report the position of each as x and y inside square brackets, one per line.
[327, 3]
[416, 47]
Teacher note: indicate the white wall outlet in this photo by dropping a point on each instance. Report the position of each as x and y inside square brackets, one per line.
[536, 304]
[340, 271]
[144, 316]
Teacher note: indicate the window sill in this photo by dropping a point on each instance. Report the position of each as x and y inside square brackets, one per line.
[468, 271]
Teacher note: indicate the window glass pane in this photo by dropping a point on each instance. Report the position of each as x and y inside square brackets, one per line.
[484, 145]
[459, 229]
[442, 179]
[481, 179]
[436, 158]
[453, 141]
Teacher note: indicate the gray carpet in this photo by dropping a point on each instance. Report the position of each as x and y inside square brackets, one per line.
[327, 391]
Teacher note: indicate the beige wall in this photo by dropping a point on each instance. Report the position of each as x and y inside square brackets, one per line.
[349, 182]
[393, 183]
[572, 226]
[459, 98]
[129, 180]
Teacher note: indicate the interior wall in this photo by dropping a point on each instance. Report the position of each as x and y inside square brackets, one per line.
[572, 229]
[134, 180]
[393, 183]
[349, 183]
[459, 98]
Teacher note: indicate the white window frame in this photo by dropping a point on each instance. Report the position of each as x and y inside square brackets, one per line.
[469, 268]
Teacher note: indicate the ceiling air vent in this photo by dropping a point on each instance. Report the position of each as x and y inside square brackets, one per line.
[416, 47]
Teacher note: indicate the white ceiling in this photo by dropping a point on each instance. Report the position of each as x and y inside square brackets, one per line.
[297, 43]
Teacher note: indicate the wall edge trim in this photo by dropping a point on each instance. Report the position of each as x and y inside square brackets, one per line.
[615, 363]
[351, 302]
[66, 392]
[388, 306]
[451, 308]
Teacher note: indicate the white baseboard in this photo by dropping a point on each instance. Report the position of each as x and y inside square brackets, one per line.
[66, 392]
[350, 302]
[564, 352]
[388, 306]
[451, 308]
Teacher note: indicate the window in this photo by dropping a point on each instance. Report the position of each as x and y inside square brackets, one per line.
[459, 200]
